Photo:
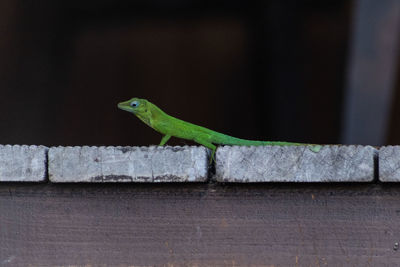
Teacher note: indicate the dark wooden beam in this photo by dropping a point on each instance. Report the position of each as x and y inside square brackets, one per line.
[199, 224]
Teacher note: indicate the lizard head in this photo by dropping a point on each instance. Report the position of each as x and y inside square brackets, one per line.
[134, 105]
[139, 107]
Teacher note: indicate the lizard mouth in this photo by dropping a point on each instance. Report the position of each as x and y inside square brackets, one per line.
[123, 106]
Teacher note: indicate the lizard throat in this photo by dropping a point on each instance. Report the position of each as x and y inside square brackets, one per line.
[144, 119]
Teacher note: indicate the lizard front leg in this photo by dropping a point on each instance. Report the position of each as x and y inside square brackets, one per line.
[164, 139]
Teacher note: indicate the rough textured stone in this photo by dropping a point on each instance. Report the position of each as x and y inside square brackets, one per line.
[389, 164]
[22, 163]
[295, 164]
[128, 164]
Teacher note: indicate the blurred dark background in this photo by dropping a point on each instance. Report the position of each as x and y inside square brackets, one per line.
[267, 70]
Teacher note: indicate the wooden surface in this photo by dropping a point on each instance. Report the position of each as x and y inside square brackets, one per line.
[199, 224]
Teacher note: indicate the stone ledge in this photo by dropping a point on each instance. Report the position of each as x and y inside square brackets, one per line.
[22, 163]
[389, 164]
[128, 164]
[295, 164]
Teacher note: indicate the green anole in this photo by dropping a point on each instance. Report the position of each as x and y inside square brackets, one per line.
[169, 126]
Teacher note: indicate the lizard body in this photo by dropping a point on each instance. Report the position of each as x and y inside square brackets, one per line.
[170, 126]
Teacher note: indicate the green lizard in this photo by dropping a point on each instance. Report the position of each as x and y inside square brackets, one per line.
[170, 126]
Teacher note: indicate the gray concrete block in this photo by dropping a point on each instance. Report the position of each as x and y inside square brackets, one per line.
[389, 164]
[22, 163]
[128, 164]
[295, 164]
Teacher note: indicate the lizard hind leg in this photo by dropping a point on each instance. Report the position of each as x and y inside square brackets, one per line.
[209, 145]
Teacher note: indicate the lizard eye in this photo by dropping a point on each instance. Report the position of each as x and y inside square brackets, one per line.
[134, 104]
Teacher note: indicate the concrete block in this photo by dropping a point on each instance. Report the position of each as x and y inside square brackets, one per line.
[22, 163]
[295, 164]
[389, 164]
[128, 164]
